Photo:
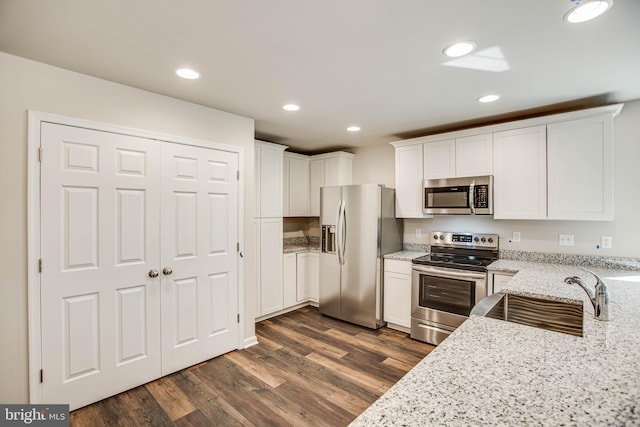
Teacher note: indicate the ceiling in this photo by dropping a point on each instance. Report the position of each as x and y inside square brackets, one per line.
[377, 64]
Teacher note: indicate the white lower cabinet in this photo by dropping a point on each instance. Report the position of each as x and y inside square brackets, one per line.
[497, 281]
[314, 276]
[298, 284]
[290, 279]
[397, 294]
[270, 266]
[308, 276]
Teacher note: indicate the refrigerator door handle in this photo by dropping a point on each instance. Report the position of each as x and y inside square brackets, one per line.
[340, 232]
[343, 246]
[338, 211]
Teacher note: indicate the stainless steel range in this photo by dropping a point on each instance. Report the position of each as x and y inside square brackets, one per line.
[448, 282]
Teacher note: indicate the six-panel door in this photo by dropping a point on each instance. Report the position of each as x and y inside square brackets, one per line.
[106, 213]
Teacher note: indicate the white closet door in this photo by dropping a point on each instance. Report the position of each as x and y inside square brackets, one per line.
[100, 200]
[199, 236]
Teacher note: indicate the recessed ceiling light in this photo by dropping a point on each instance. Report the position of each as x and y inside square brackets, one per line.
[291, 107]
[353, 128]
[459, 49]
[488, 98]
[587, 10]
[187, 73]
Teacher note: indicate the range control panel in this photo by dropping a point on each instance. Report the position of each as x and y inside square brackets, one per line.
[464, 240]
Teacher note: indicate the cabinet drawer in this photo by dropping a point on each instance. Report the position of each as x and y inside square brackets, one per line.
[396, 266]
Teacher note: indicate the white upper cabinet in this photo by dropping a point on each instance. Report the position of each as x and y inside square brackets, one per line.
[580, 169]
[268, 179]
[327, 170]
[458, 157]
[409, 181]
[474, 155]
[556, 167]
[520, 173]
[296, 185]
[439, 159]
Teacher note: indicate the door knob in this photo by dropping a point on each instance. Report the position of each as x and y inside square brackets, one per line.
[153, 273]
[167, 271]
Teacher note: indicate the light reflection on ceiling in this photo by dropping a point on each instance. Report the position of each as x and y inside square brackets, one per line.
[491, 59]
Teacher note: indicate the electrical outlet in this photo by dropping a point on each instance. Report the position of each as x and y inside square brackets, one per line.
[565, 240]
[607, 242]
[515, 237]
[418, 233]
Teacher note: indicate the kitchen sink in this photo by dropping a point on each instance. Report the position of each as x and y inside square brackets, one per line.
[540, 313]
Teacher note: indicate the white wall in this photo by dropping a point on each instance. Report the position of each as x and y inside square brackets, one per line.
[31, 85]
[377, 164]
[374, 164]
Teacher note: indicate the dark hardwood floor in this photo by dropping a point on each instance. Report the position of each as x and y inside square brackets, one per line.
[308, 370]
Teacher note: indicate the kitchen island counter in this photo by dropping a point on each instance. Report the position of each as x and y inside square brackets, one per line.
[491, 372]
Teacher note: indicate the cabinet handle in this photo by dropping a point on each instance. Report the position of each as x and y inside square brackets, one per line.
[167, 271]
[153, 273]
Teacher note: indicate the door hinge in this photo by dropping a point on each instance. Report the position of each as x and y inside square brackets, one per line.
[40, 265]
[40, 154]
[237, 246]
[41, 375]
[238, 317]
[238, 175]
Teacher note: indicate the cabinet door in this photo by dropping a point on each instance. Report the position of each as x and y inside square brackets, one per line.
[439, 159]
[303, 276]
[520, 174]
[314, 276]
[290, 279]
[269, 163]
[271, 291]
[498, 280]
[580, 162]
[397, 295]
[409, 181]
[474, 155]
[286, 196]
[298, 180]
[337, 171]
[316, 180]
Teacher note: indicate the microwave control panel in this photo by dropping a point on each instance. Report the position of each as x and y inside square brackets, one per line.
[482, 196]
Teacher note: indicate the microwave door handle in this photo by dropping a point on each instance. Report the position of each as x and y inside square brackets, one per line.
[472, 196]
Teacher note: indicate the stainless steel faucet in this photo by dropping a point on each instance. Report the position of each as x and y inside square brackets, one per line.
[600, 300]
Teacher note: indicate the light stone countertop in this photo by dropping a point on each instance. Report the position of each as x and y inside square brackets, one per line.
[300, 248]
[405, 255]
[490, 372]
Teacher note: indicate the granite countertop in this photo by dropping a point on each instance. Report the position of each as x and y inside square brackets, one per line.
[300, 248]
[405, 255]
[491, 372]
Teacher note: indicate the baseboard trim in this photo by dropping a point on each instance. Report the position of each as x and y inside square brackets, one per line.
[250, 342]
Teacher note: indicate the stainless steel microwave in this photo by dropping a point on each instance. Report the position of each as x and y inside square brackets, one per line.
[471, 195]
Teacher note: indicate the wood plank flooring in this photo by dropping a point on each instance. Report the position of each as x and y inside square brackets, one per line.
[308, 370]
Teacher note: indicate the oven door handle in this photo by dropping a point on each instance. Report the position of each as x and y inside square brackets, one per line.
[448, 272]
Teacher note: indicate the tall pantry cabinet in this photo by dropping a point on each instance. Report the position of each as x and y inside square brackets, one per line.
[268, 226]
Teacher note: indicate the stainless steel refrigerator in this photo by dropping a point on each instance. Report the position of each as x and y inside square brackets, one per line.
[358, 228]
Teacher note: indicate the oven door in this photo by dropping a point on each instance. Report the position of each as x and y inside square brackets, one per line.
[441, 299]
